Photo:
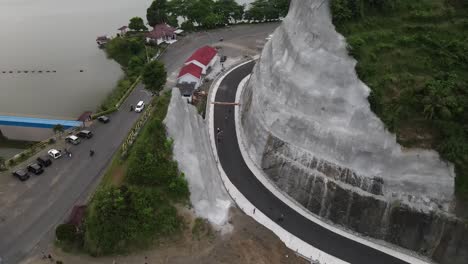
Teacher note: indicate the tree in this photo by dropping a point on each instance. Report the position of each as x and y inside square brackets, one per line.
[178, 8]
[137, 24]
[58, 129]
[211, 21]
[135, 66]
[154, 76]
[198, 10]
[187, 26]
[229, 10]
[157, 12]
[123, 49]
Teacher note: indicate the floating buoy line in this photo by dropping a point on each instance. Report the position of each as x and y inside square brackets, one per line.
[31, 71]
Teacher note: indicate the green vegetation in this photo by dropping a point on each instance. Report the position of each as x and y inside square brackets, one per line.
[157, 12]
[209, 14]
[261, 10]
[122, 87]
[131, 53]
[68, 237]
[154, 76]
[137, 24]
[141, 209]
[414, 57]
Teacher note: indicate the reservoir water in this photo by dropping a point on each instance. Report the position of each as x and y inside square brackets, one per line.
[59, 35]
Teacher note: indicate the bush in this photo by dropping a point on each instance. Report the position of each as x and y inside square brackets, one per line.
[65, 233]
[126, 216]
[178, 188]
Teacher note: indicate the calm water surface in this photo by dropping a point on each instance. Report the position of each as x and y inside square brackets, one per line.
[59, 35]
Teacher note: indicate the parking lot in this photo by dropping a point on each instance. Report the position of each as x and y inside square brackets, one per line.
[30, 209]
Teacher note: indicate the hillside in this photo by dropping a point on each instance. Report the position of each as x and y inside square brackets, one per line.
[414, 57]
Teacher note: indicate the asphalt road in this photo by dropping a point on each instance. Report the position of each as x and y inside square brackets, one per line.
[240, 175]
[45, 200]
[239, 40]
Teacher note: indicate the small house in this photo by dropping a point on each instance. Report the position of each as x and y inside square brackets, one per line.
[190, 74]
[123, 30]
[162, 33]
[204, 57]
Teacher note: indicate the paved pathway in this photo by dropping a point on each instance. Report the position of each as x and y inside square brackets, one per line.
[239, 174]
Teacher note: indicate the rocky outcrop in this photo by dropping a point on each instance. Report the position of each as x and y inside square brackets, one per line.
[355, 202]
[306, 121]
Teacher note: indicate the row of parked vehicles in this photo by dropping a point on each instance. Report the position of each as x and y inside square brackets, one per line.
[43, 161]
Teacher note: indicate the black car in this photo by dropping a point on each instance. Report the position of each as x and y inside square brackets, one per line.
[21, 174]
[85, 134]
[35, 168]
[103, 119]
[223, 58]
[44, 161]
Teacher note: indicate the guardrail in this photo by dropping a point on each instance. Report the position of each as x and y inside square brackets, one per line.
[132, 135]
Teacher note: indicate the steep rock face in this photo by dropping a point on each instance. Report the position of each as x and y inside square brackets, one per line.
[307, 122]
[196, 160]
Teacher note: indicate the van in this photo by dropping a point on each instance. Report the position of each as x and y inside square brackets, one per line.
[139, 107]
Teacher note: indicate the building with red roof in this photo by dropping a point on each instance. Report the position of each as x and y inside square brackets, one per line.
[162, 33]
[204, 57]
[190, 74]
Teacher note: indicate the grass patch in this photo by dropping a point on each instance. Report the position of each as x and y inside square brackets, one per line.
[414, 57]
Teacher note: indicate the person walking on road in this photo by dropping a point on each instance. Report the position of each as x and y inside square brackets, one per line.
[91, 152]
[218, 134]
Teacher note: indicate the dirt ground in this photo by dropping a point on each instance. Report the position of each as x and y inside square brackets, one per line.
[249, 242]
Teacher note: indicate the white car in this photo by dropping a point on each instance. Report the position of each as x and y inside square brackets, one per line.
[54, 153]
[139, 107]
[72, 139]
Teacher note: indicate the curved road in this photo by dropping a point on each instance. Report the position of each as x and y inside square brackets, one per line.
[240, 175]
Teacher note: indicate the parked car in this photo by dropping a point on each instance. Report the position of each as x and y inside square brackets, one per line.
[85, 134]
[139, 107]
[35, 168]
[72, 139]
[223, 58]
[55, 154]
[22, 175]
[104, 119]
[44, 161]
